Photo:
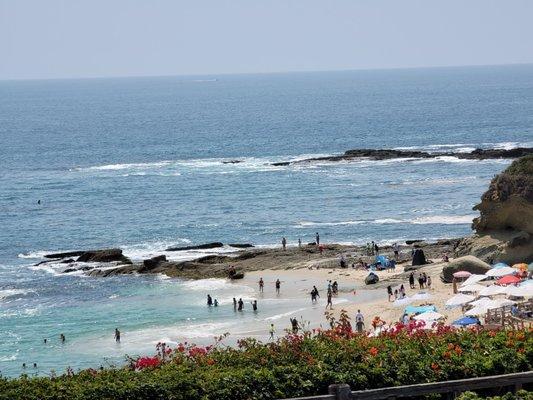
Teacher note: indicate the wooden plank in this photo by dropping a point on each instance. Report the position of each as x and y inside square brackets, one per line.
[461, 385]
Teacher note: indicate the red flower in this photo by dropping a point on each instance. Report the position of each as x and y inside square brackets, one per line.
[373, 351]
[147, 362]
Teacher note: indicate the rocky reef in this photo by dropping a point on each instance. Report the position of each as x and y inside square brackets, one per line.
[504, 229]
[388, 154]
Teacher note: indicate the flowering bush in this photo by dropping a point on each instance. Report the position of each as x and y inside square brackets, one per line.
[295, 365]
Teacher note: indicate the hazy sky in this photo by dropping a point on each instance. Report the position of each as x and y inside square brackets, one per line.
[75, 38]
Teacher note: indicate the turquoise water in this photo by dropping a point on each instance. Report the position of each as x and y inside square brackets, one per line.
[138, 163]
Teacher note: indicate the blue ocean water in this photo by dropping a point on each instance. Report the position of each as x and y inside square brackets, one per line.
[138, 163]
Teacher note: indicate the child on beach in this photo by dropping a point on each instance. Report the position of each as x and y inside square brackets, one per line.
[329, 303]
[261, 284]
[389, 291]
[272, 331]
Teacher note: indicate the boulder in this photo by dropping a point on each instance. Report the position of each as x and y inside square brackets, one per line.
[107, 255]
[371, 279]
[204, 246]
[467, 263]
[410, 242]
[65, 254]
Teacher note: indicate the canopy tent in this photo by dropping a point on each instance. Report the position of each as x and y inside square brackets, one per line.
[508, 280]
[383, 260]
[474, 288]
[497, 272]
[500, 265]
[474, 278]
[421, 296]
[428, 316]
[477, 311]
[464, 321]
[419, 309]
[402, 302]
[492, 290]
[498, 303]
[459, 300]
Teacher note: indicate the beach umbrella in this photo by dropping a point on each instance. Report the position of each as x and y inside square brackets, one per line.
[478, 310]
[519, 291]
[498, 303]
[474, 278]
[508, 280]
[499, 265]
[481, 302]
[464, 321]
[497, 272]
[492, 290]
[474, 288]
[459, 300]
[521, 266]
[421, 296]
[402, 302]
[428, 316]
[462, 274]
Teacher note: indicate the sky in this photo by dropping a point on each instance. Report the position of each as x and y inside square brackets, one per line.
[104, 38]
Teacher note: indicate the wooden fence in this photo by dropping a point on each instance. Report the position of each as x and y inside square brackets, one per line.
[450, 388]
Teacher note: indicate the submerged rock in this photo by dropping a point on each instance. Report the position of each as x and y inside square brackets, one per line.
[204, 246]
[241, 245]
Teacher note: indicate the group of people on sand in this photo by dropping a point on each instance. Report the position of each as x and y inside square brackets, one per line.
[424, 280]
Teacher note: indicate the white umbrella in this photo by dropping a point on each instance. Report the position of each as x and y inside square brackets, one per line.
[497, 272]
[519, 291]
[429, 316]
[492, 290]
[498, 303]
[459, 300]
[474, 288]
[421, 296]
[474, 279]
[403, 302]
[476, 311]
[481, 302]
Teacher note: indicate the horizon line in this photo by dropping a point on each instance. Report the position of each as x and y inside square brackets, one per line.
[221, 74]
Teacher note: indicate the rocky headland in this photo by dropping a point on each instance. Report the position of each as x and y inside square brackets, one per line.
[504, 229]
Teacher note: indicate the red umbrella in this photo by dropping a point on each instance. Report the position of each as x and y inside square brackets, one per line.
[508, 280]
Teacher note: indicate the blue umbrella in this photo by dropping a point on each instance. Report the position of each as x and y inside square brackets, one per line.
[464, 321]
[499, 265]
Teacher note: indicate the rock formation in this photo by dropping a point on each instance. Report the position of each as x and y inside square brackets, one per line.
[504, 229]
[467, 263]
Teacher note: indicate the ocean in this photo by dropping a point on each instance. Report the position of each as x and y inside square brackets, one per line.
[139, 163]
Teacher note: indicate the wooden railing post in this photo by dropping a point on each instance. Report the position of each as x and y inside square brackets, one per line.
[341, 391]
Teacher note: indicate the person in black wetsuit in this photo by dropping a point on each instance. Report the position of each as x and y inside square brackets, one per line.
[209, 300]
[240, 305]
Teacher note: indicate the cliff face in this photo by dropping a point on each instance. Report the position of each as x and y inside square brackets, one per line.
[504, 229]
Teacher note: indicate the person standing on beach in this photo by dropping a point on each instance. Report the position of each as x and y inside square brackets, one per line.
[428, 282]
[117, 335]
[314, 294]
[372, 248]
[396, 250]
[272, 331]
[261, 284]
[299, 243]
[359, 321]
[284, 243]
[421, 281]
[389, 291]
[278, 286]
[376, 248]
[317, 239]
[294, 324]
[241, 305]
[412, 280]
[329, 303]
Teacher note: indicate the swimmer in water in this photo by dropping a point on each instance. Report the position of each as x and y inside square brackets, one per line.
[117, 335]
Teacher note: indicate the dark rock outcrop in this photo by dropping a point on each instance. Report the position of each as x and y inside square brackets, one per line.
[468, 263]
[107, 255]
[241, 245]
[65, 254]
[388, 154]
[504, 229]
[204, 246]
[419, 258]
[152, 263]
